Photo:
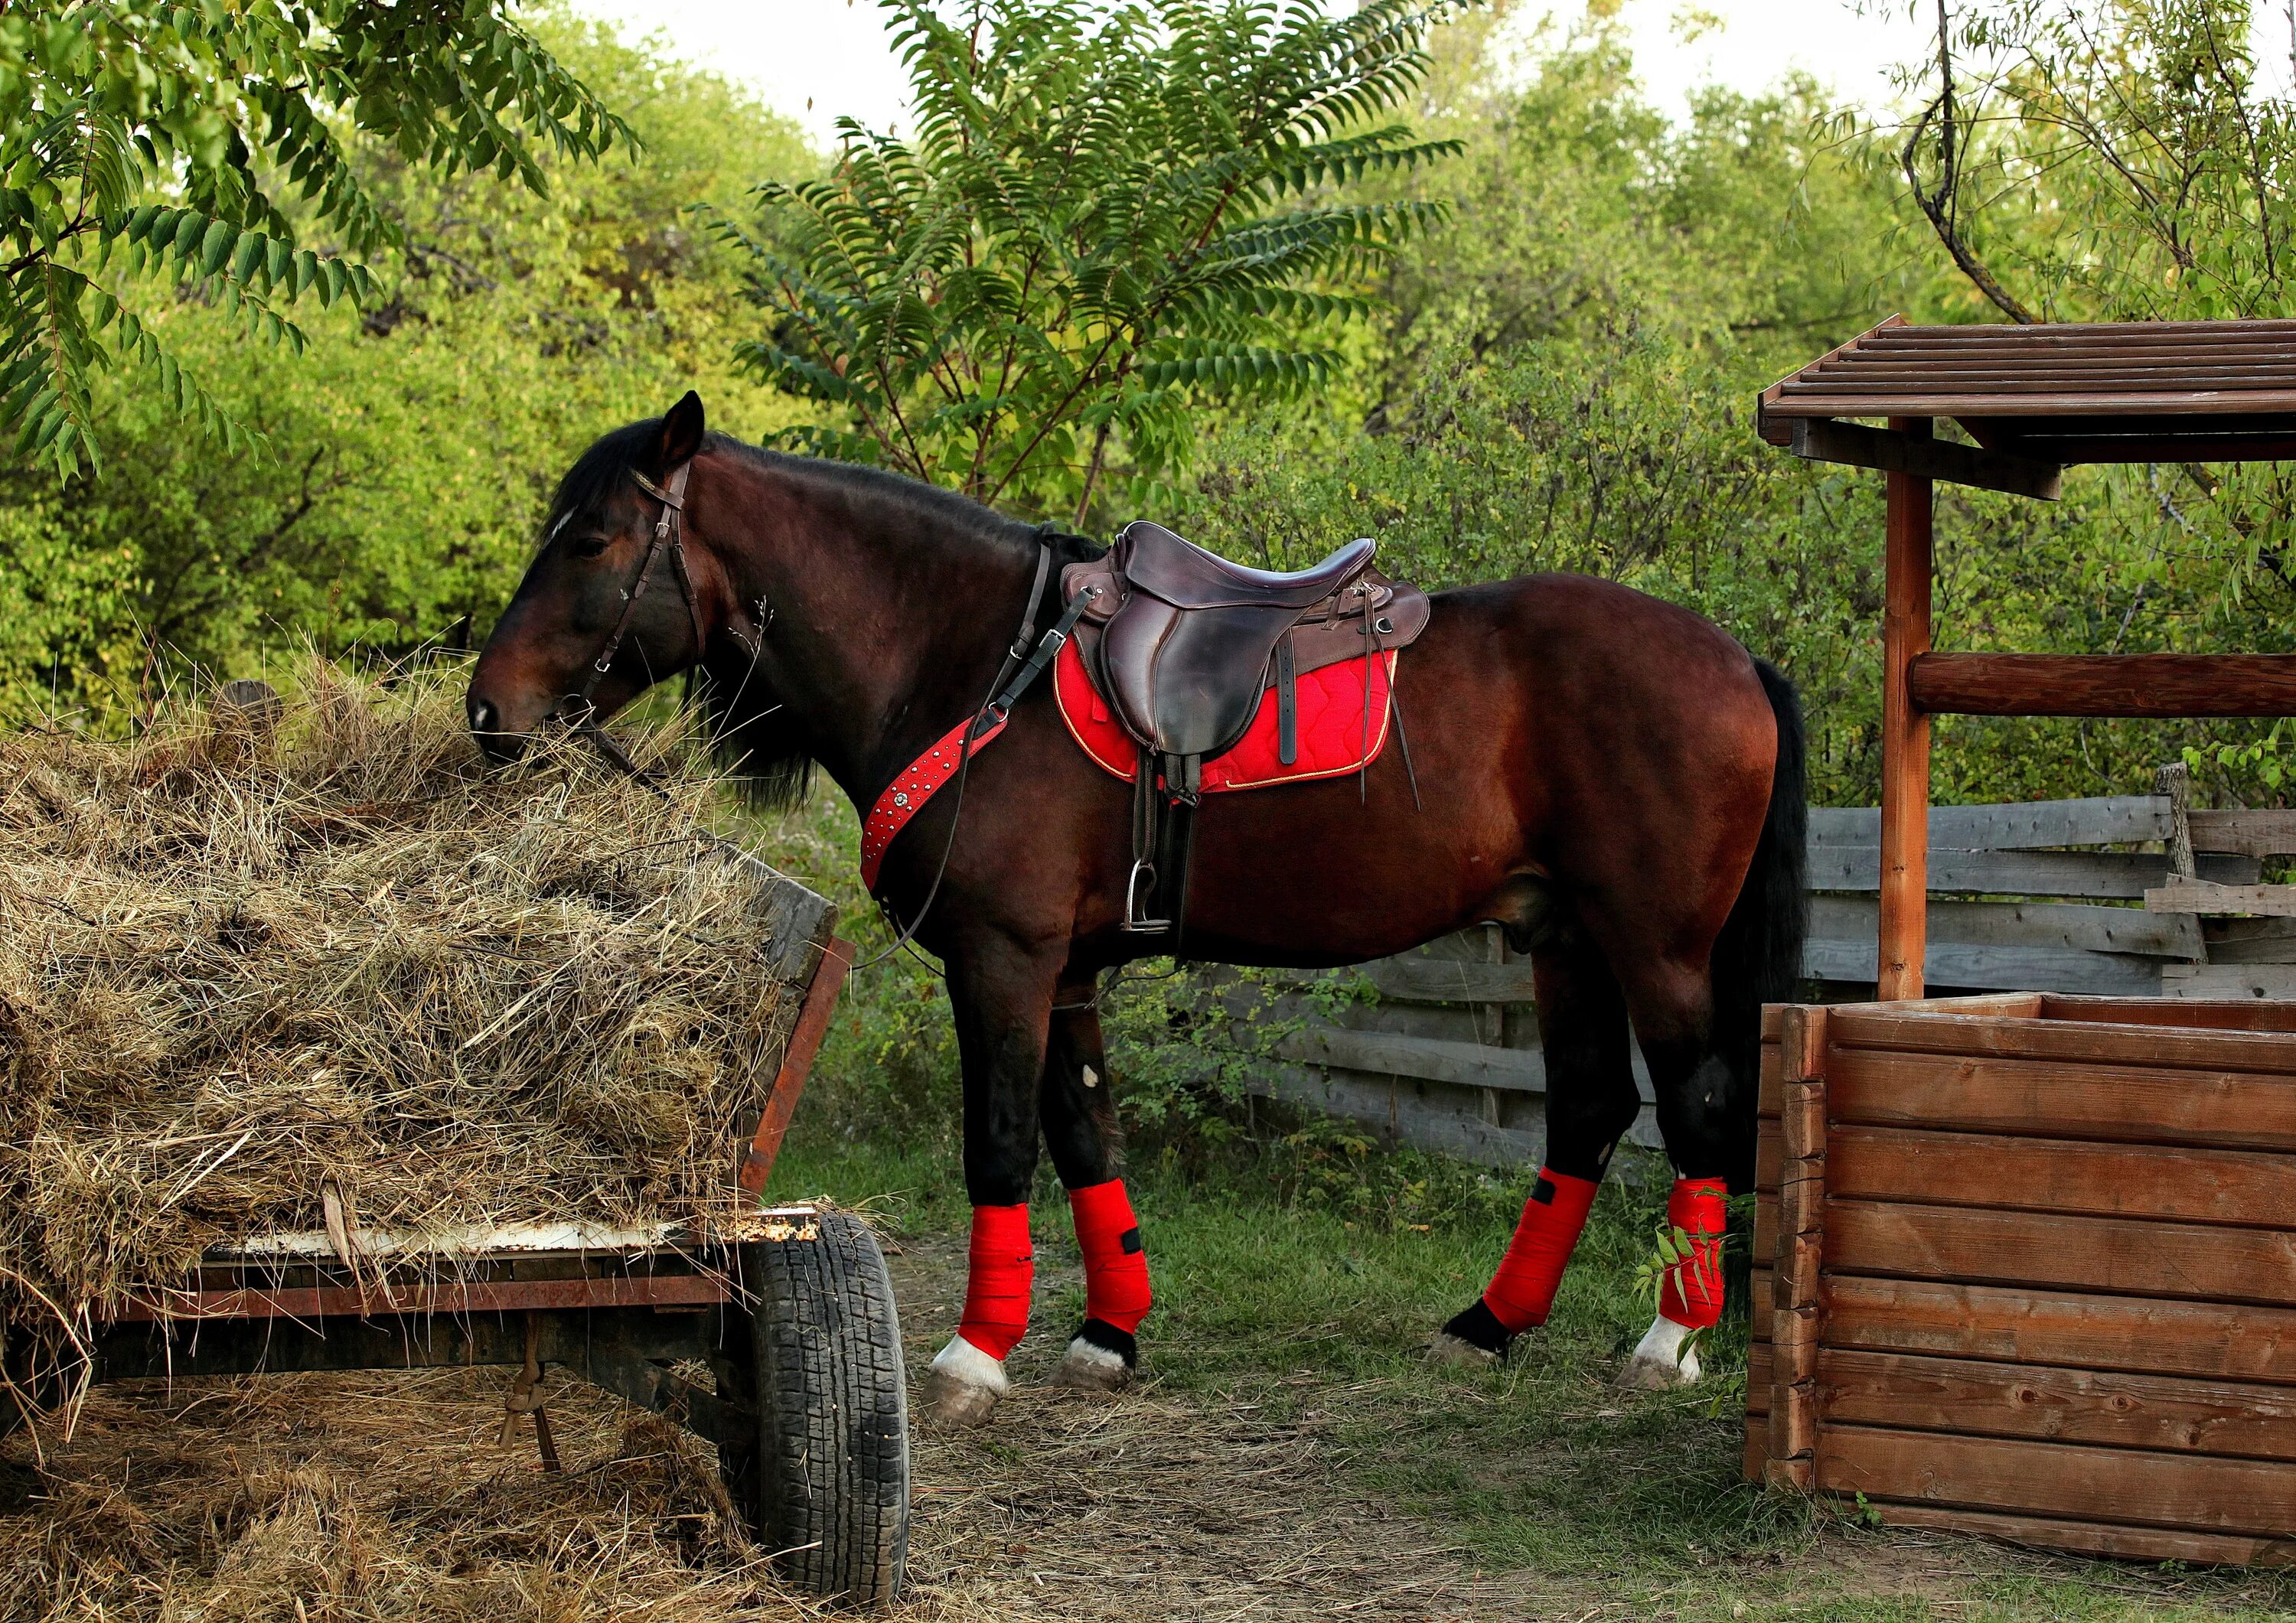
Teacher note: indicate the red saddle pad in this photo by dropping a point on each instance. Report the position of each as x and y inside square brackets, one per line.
[1332, 734]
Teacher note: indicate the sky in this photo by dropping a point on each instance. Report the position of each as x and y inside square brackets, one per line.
[816, 60]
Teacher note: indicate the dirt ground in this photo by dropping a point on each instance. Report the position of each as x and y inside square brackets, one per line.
[304, 1499]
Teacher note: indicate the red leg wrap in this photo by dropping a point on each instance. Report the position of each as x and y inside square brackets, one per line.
[1691, 1293]
[1523, 1288]
[1115, 1267]
[997, 1286]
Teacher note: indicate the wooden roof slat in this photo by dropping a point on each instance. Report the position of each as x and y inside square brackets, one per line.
[1986, 371]
[2059, 330]
[1876, 403]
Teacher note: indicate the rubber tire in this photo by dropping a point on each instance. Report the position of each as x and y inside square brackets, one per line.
[827, 1488]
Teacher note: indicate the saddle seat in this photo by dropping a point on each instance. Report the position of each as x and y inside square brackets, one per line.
[1184, 644]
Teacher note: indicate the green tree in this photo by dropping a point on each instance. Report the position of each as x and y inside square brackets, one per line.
[206, 146]
[1105, 218]
[412, 449]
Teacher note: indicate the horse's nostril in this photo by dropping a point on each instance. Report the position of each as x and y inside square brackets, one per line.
[482, 716]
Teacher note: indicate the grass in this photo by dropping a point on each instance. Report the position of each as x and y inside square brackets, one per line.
[1314, 1320]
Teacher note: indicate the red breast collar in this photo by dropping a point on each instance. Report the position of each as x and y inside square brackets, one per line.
[905, 796]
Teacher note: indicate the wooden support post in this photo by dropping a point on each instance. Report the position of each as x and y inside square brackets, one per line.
[1905, 730]
[1796, 1315]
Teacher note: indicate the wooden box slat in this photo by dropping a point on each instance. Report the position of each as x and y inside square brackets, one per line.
[2098, 1537]
[2056, 1296]
[2238, 1187]
[2134, 1487]
[2165, 1414]
[2211, 1341]
[2056, 1099]
[2145, 1047]
[2177, 1261]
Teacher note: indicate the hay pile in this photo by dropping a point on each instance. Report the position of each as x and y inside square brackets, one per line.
[245, 960]
[361, 1498]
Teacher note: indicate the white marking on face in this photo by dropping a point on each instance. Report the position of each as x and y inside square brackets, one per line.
[1091, 1076]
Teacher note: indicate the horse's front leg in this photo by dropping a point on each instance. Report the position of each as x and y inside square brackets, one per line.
[1080, 1131]
[1002, 996]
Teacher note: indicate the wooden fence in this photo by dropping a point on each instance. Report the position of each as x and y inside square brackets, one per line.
[2043, 896]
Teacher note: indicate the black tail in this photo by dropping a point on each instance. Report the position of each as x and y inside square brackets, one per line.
[1757, 958]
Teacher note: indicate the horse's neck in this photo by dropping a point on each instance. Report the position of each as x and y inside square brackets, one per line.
[885, 638]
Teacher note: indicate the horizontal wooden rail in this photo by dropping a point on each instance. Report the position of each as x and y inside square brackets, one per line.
[2142, 684]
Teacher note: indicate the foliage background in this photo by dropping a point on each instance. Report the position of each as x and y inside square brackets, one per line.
[1558, 373]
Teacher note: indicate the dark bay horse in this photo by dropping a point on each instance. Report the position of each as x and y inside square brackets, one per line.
[1611, 779]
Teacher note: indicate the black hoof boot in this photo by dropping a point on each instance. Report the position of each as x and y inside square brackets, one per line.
[1474, 1337]
[1100, 1358]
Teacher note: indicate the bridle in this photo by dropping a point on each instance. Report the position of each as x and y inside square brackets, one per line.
[1024, 661]
[669, 535]
[577, 709]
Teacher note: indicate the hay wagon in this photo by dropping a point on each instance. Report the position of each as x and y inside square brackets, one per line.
[2025, 1263]
[772, 1335]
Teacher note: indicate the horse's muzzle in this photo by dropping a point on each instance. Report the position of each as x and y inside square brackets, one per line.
[486, 726]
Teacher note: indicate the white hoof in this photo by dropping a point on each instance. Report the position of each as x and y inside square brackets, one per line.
[1088, 1368]
[1456, 1352]
[964, 1387]
[1665, 1359]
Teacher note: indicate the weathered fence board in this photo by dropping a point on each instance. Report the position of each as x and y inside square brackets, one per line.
[1447, 1057]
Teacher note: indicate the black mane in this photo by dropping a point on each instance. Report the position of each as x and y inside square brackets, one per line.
[750, 734]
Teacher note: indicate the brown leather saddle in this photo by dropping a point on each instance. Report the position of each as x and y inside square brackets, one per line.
[1186, 646]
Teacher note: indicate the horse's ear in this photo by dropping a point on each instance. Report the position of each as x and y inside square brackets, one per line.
[681, 435]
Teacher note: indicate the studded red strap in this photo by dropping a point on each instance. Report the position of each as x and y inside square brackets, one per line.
[918, 782]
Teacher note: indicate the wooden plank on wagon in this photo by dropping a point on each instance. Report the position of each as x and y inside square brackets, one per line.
[2184, 1261]
[2011, 826]
[2098, 1537]
[2065, 1480]
[2061, 1100]
[2170, 1413]
[2126, 874]
[2105, 1042]
[2067, 1177]
[2209, 1341]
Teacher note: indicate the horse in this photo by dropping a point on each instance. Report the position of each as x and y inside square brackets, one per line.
[1611, 779]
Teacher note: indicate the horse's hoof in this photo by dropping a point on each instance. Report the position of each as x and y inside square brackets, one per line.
[1474, 1338]
[1101, 1358]
[963, 1387]
[1455, 1352]
[1666, 1358]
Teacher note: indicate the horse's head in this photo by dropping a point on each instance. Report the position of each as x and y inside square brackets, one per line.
[574, 641]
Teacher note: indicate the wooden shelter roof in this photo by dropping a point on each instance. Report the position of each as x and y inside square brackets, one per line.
[2038, 399]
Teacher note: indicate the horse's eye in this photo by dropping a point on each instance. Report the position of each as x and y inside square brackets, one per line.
[589, 546]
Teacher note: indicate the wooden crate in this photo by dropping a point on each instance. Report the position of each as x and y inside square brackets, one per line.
[2025, 1265]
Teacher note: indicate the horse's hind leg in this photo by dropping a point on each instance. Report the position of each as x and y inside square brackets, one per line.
[1080, 1131]
[1705, 1114]
[1590, 1103]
